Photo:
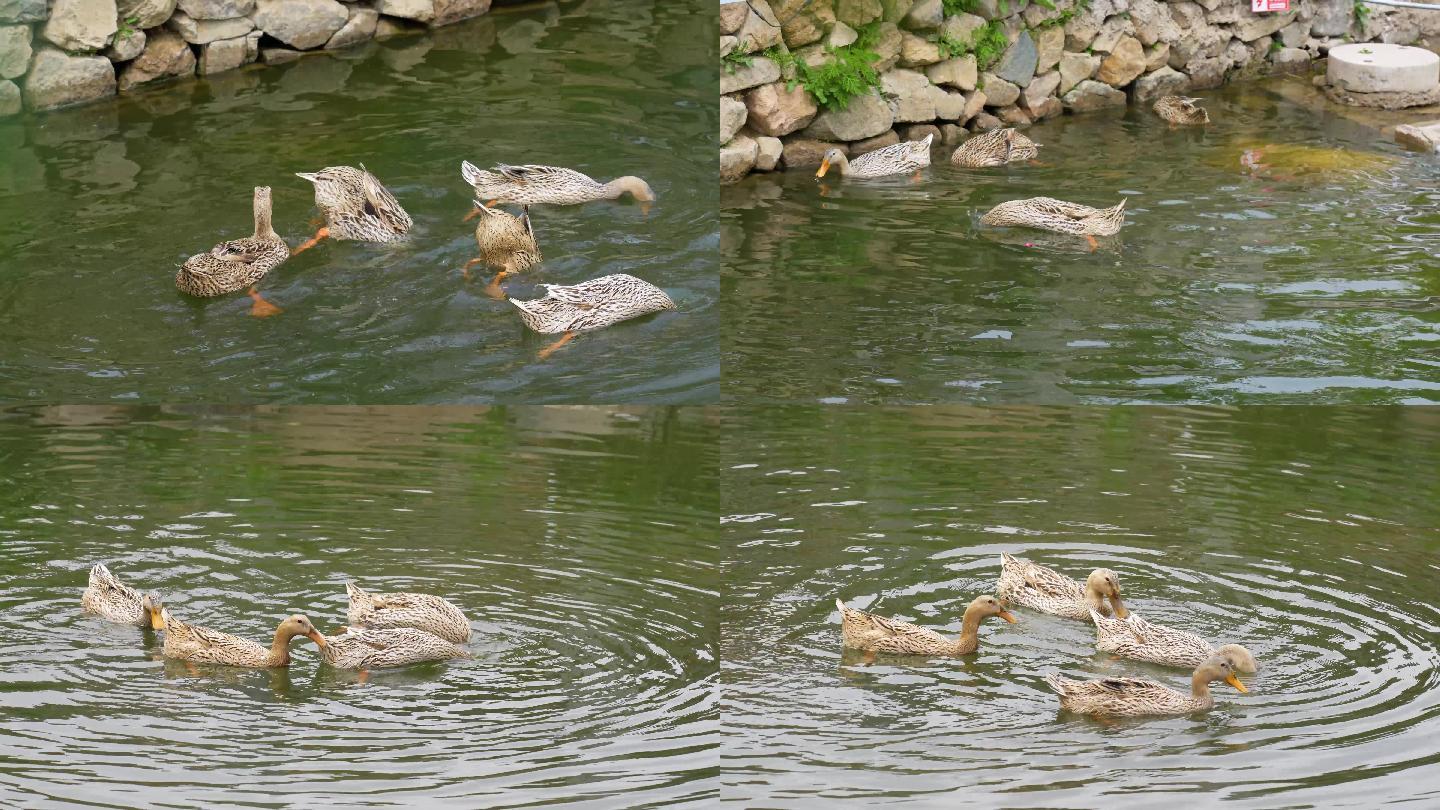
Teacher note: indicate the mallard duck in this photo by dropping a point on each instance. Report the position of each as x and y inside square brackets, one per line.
[190, 642]
[355, 206]
[865, 631]
[114, 601]
[994, 148]
[590, 305]
[232, 266]
[1181, 110]
[506, 242]
[1135, 696]
[357, 648]
[1035, 586]
[1050, 214]
[550, 185]
[1133, 637]
[900, 158]
[378, 611]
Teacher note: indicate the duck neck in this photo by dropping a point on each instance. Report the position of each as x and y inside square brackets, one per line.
[842, 164]
[969, 640]
[280, 648]
[629, 184]
[1200, 686]
[1094, 599]
[263, 227]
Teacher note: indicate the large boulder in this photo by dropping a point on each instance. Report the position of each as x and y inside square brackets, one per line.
[1076, 68]
[1049, 45]
[126, 46]
[200, 32]
[1090, 95]
[961, 72]
[1018, 64]
[1039, 89]
[359, 28]
[732, 16]
[222, 55]
[732, 117]
[760, 30]
[925, 14]
[1049, 108]
[81, 25]
[1000, 92]
[767, 153]
[1254, 26]
[801, 152]
[737, 158]
[1164, 82]
[216, 9]
[856, 13]
[57, 79]
[908, 94]
[760, 71]
[14, 50]
[1207, 73]
[302, 24]
[950, 106]
[23, 11]
[166, 56]
[1125, 62]
[775, 109]
[145, 13]
[10, 102]
[864, 117]
[917, 51]
[453, 11]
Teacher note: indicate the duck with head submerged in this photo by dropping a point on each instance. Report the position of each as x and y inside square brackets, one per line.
[1023, 582]
[1181, 111]
[355, 206]
[1133, 697]
[549, 185]
[239, 263]
[506, 243]
[1132, 637]
[189, 642]
[114, 601]
[433, 614]
[567, 310]
[1050, 214]
[994, 148]
[865, 631]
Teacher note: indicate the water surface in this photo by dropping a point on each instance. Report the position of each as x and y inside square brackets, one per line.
[99, 205]
[1311, 535]
[580, 543]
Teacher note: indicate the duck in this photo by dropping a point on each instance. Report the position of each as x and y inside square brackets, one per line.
[900, 158]
[590, 305]
[114, 601]
[550, 185]
[239, 263]
[189, 642]
[1133, 637]
[1181, 110]
[507, 242]
[365, 649]
[994, 148]
[1050, 214]
[422, 611]
[1025, 583]
[355, 205]
[1137, 697]
[865, 631]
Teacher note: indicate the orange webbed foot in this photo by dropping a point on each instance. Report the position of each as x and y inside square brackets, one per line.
[1090, 240]
[261, 308]
[549, 350]
[323, 233]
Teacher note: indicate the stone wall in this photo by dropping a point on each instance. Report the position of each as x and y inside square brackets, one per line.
[1075, 57]
[54, 53]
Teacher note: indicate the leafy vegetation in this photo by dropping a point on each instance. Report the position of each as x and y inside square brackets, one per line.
[953, 7]
[737, 59]
[849, 72]
[126, 28]
[987, 42]
[1362, 12]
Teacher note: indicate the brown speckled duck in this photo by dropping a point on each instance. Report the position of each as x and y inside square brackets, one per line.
[1023, 582]
[355, 206]
[1136, 697]
[994, 148]
[423, 611]
[865, 631]
[1181, 111]
[191, 642]
[900, 158]
[239, 263]
[114, 601]
[567, 310]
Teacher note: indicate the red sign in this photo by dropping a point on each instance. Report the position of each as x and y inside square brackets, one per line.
[1262, 6]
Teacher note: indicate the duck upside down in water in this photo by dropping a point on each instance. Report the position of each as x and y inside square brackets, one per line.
[366, 649]
[507, 243]
[422, 611]
[1181, 110]
[114, 601]
[1050, 214]
[549, 185]
[1137, 697]
[590, 305]
[355, 206]
[994, 148]
[900, 158]
[232, 266]
[1025, 583]
[1133, 637]
[190, 642]
[865, 631]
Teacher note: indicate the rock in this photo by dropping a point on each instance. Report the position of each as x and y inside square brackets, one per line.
[279, 56]
[1049, 108]
[809, 152]
[216, 9]
[302, 24]
[1039, 89]
[146, 13]
[453, 11]
[959, 72]
[908, 94]
[891, 10]
[1164, 82]
[727, 46]
[81, 25]
[1111, 33]
[767, 153]
[950, 106]
[126, 47]
[951, 134]
[998, 9]
[975, 102]
[166, 56]
[1091, 95]
[1036, 15]
[801, 29]
[23, 11]
[775, 110]
[1018, 64]
[1291, 60]
[199, 32]
[222, 55]
[14, 50]
[924, 15]
[359, 28]
[57, 79]
[985, 122]
[962, 27]
[1157, 57]
[1332, 18]
[732, 16]
[1081, 30]
[1000, 92]
[252, 46]
[760, 71]
[840, 35]
[1076, 68]
[1049, 45]
[887, 46]
[1254, 26]
[1236, 53]
[424, 10]
[1203, 43]
[1423, 137]
[1295, 34]
[916, 51]
[1207, 73]
[9, 98]
[1125, 62]
[1187, 16]
[732, 117]
[1382, 68]
[1153, 22]
[1013, 116]
[856, 13]
[918, 132]
[394, 27]
[737, 158]
[884, 139]
[865, 117]
[761, 29]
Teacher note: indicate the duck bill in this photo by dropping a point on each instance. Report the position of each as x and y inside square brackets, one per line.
[1008, 616]
[824, 167]
[1235, 682]
[156, 621]
[1121, 612]
[314, 635]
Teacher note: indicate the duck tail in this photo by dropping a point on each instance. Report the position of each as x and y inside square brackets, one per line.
[470, 172]
[356, 593]
[99, 573]
[839, 605]
[311, 176]
[1055, 682]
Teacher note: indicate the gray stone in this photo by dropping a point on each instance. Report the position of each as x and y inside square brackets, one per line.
[1207, 73]
[999, 9]
[1076, 68]
[975, 102]
[1013, 116]
[1382, 68]
[126, 46]
[14, 50]
[950, 106]
[145, 13]
[9, 98]
[951, 134]
[732, 117]
[908, 94]
[81, 25]
[1049, 108]
[359, 28]
[761, 29]
[919, 132]
[279, 56]
[884, 139]
[1039, 89]
[166, 56]
[1081, 29]
[775, 109]
[959, 72]
[802, 24]
[1125, 62]
[1291, 60]
[866, 116]
[1090, 95]
[453, 11]
[1157, 56]
[760, 71]
[887, 46]
[1018, 64]
[732, 16]
[924, 15]
[394, 27]
[856, 13]
[23, 11]
[1000, 92]
[1295, 34]
[302, 24]
[1332, 18]
[737, 158]
[727, 46]
[222, 55]
[917, 51]
[252, 46]
[1187, 15]
[1110, 34]
[1255, 26]
[800, 152]
[984, 122]
[962, 27]
[891, 10]
[840, 35]
[767, 153]
[1164, 82]
[1422, 137]
[216, 9]
[57, 79]
[1049, 45]
[424, 10]
[199, 32]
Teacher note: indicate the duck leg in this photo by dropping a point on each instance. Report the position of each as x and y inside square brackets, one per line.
[475, 212]
[323, 233]
[549, 350]
[1094, 246]
[261, 308]
[364, 676]
[465, 271]
[493, 288]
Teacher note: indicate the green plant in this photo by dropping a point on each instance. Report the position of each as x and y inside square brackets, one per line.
[1362, 12]
[1276, 46]
[988, 43]
[738, 58]
[848, 73]
[1046, 4]
[953, 7]
[951, 47]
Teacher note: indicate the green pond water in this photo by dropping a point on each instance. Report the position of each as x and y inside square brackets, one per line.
[1309, 275]
[99, 206]
[580, 543]
[1311, 535]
